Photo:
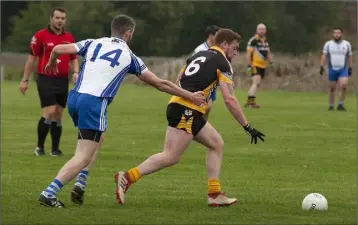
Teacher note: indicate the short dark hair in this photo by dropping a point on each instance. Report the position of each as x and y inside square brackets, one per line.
[60, 9]
[212, 29]
[226, 35]
[338, 28]
[121, 24]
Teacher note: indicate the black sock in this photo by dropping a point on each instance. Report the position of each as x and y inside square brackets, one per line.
[42, 131]
[251, 99]
[56, 131]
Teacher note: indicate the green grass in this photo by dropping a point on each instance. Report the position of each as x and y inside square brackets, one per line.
[307, 149]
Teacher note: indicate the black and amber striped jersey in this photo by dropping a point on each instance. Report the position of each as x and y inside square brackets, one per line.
[259, 48]
[202, 72]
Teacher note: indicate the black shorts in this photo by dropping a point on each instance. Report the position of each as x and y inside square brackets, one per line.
[258, 71]
[52, 90]
[184, 118]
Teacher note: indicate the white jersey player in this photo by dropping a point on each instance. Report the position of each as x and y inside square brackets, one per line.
[210, 32]
[202, 47]
[106, 61]
[338, 54]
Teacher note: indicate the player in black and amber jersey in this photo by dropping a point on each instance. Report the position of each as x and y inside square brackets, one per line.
[258, 53]
[210, 34]
[186, 121]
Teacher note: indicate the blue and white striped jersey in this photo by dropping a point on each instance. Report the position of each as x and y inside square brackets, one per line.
[105, 63]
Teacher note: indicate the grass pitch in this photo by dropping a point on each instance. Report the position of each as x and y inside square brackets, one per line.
[307, 149]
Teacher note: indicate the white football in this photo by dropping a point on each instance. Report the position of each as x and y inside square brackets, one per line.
[315, 201]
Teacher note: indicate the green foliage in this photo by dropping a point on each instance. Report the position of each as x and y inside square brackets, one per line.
[35, 17]
[175, 28]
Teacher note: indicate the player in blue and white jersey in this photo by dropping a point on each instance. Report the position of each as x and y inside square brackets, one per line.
[338, 53]
[106, 61]
[210, 32]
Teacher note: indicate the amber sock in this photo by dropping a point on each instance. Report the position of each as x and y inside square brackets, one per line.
[213, 187]
[133, 175]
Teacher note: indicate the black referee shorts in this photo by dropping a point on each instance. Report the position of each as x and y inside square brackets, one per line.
[52, 90]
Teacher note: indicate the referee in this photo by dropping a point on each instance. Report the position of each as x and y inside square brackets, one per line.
[52, 87]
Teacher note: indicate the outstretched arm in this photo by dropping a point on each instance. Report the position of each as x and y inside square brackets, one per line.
[61, 50]
[235, 109]
[170, 88]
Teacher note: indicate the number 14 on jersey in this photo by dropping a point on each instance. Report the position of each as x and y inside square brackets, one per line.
[111, 56]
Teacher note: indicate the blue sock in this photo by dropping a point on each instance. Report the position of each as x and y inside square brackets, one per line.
[82, 179]
[53, 188]
[340, 103]
[331, 105]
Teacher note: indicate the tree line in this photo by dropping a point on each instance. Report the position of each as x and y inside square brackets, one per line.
[175, 28]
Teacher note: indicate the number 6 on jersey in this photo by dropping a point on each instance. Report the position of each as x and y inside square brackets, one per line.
[194, 66]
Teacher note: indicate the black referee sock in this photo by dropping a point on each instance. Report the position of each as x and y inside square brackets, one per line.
[56, 131]
[42, 131]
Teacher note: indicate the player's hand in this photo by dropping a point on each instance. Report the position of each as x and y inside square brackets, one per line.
[74, 77]
[254, 134]
[349, 71]
[24, 85]
[321, 70]
[198, 98]
[51, 67]
[249, 70]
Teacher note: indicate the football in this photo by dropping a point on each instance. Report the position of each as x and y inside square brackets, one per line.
[315, 201]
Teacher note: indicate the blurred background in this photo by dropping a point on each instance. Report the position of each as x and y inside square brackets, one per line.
[167, 32]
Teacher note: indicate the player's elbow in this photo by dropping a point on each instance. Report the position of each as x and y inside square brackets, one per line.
[63, 49]
[57, 50]
[31, 59]
[160, 84]
[230, 100]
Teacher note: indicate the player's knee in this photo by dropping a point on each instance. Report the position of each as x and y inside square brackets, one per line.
[170, 159]
[332, 89]
[256, 85]
[52, 112]
[58, 115]
[81, 160]
[84, 160]
[343, 86]
[219, 145]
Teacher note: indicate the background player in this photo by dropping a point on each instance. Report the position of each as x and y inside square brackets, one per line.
[210, 32]
[339, 54]
[186, 122]
[52, 87]
[257, 53]
[106, 62]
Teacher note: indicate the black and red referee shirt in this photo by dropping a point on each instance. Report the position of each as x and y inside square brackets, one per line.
[42, 44]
